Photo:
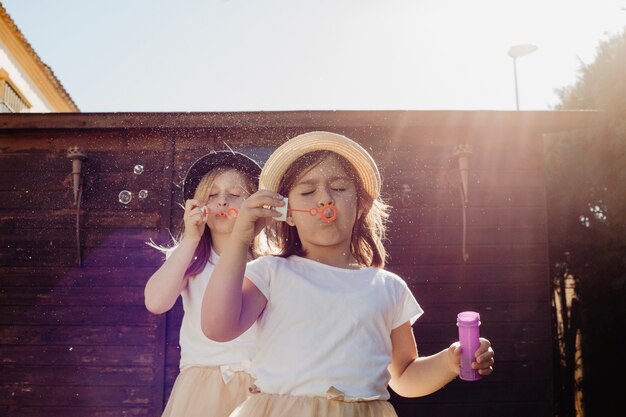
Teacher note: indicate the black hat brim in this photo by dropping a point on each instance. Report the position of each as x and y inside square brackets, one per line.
[228, 159]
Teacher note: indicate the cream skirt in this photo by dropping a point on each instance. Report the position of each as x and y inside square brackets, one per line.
[271, 405]
[200, 391]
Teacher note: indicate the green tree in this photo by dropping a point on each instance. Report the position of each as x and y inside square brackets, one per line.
[586, 180]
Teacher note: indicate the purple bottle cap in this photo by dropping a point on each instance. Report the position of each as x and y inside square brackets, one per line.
[468, 319]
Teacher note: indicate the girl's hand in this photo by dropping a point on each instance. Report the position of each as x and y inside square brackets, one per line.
[484, 357]
[256, 213]
[194, 219]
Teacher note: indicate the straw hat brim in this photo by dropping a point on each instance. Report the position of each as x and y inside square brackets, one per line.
[228, 159]
[286, 154]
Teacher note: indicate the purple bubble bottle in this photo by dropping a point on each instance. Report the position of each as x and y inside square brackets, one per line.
[469, 332]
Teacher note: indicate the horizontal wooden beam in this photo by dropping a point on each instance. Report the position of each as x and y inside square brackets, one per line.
[542, 120]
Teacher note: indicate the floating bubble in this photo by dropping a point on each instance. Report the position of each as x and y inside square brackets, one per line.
[143, 194]
[138, 169]
[125, 196]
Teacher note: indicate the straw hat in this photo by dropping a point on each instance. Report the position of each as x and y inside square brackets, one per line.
[288, 152]
[227, 159]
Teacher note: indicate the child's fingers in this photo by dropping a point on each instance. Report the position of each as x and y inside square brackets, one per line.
[191, 204]
[264, 205]
[265, 212]
[268, 198]
[486, 358]
[454, 352]
[194, 214]
[484, 362]
[485, 346]
[485, 371]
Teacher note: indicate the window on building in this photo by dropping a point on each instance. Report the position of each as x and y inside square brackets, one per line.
[11, 99]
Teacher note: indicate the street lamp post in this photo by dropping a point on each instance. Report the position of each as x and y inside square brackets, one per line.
[515, 52]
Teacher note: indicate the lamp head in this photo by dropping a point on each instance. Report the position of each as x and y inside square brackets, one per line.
[520, 50]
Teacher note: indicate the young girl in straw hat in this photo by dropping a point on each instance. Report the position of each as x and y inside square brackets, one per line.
[213, 377]
[334, 327]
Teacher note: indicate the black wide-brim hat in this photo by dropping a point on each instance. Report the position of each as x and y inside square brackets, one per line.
[215, 159]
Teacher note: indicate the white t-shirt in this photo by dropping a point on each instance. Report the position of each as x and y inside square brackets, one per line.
[195, 348]
[326, 327]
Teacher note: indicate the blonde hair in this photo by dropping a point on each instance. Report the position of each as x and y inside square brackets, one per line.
[203, 250]
[368, 232]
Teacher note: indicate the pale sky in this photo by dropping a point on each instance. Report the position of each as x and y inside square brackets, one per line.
[245, 55]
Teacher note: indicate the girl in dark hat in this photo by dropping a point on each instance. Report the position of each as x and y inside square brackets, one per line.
[213, 377]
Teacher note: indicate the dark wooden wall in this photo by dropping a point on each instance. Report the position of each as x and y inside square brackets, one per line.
[77, 340]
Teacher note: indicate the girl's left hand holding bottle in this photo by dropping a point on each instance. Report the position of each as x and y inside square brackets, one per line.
[256, 213]
[484, 357]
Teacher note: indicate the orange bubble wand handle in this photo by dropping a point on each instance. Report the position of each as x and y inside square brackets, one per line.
[231, 212]
[327, 212]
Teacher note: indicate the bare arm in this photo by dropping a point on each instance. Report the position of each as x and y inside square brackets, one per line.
[231, 304]
[166, 284]
[412, 376]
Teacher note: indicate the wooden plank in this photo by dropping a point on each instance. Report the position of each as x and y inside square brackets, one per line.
[510, 292]
[507, 121]
[93, 199]
[137, 376]
[82, 395]
[106, 276]
[444, 311]
[484, 254]
[74, 411]
[462, 392]
[71, 336]
[447, 195]
[172, 353]
[79, 355]
[404, 232]
[463, 273]
[43, 237]
[54, 160]
[473, 400]
[91, 314]
[488, 156]
[487, 407]
[66, 219]
[70, 296]
[91, 257]
[426, 217]
[160, 346]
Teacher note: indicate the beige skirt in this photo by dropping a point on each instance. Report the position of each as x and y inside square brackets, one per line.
[200, 391]
[272, 405]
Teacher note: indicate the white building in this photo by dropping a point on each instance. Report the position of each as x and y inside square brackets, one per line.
[27, 85]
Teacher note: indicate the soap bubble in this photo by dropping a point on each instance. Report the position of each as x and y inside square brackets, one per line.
[125, 196]
[143, 194]
[138, 169]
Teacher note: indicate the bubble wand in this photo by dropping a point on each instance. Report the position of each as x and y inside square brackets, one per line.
[328, 212]
[230, 213]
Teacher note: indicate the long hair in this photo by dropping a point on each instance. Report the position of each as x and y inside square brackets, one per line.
[368, 232]
[203, 250]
